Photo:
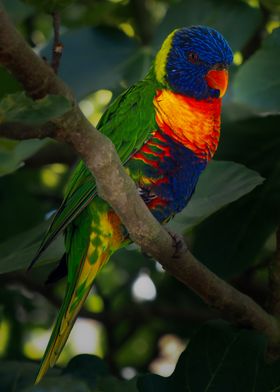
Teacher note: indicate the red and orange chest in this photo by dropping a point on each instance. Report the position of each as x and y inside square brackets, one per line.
[192, 123]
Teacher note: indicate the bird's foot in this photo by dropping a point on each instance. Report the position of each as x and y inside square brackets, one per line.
[179, 244]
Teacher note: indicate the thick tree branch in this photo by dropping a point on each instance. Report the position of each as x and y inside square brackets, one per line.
[115, 186]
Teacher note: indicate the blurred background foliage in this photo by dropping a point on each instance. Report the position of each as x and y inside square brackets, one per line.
[139, 319]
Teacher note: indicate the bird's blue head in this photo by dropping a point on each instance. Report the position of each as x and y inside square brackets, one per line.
[194, 61]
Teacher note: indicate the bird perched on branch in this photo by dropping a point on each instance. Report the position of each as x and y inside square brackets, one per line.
[165, 128]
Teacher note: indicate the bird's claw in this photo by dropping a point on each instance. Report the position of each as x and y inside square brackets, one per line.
[178, 244]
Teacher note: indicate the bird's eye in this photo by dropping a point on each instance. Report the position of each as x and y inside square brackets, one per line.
[193, 58]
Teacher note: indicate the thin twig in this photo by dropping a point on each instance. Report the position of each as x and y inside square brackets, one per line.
[256, 39]
[57, 44]
[143, 20]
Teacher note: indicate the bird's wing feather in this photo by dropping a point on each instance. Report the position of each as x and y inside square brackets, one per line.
[128, 122]
[78, 237]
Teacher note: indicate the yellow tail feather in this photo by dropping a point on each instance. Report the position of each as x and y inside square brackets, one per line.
[103, 242]
[64, 326]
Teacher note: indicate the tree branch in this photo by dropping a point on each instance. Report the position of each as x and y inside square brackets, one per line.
[57, 44]
[116, 187]
[143, 19]
[19, 131]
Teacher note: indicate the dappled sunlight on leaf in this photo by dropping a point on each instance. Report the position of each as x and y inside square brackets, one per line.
[51, 175]
[86, 338]
[237, 58]
[4, 335]
[94, 302]
[170, 348]
[127, 29]
[35, 343]
[128, 372]
[143, 288]
[94, 105]
[272, 24]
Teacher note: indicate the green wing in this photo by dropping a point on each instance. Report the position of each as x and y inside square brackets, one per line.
[128, 122]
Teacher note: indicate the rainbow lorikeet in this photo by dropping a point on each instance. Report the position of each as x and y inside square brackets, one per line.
[165, 129]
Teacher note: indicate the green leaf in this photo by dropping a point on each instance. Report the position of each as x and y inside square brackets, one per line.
[257, 83]
[94, 371]
[271, 5]
[112, 384]
[219, 14]
[19, 257]
[78, 376]
[17, 11]
[110, 54]
[241, 229]
[153, 383]
[218, 358]
[13, 153]
[268, 377]
[18, 107]
[8, 84]
[57, 384]
[16, 376]
[220, 184]
[81, 367]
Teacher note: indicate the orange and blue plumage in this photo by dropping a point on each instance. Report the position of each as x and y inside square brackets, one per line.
[165, 129]
[175, 165]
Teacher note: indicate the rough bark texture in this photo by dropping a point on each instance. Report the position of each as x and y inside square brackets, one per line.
[114, 185]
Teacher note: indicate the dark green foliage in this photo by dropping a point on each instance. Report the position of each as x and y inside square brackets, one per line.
[20, 108]
[263, 66]
[13, 153]
[116, 55]
[220, 184]
[220, 14]
[218, 358]
[49, 5]
[230, 223]
[254, 142]
[8, 84]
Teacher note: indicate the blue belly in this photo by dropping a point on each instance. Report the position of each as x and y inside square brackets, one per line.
[174, 177]
[182, 169]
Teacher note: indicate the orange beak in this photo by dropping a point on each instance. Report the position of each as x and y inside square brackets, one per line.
[218, 79]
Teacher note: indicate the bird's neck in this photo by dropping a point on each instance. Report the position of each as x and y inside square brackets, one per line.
[193, 123]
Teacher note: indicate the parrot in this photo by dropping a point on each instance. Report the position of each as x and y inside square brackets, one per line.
[165, 129]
